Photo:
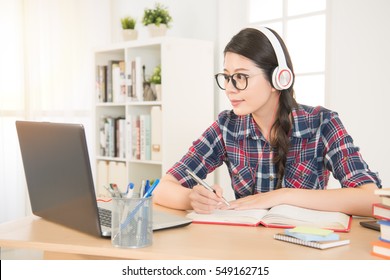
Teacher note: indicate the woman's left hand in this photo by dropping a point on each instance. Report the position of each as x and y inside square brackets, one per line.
[258, 201]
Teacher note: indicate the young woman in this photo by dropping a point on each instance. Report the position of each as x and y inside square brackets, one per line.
[276, 151]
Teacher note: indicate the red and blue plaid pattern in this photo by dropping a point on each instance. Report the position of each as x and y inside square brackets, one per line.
[319, 144]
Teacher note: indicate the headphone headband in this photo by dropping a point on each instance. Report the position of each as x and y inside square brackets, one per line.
[282, 77]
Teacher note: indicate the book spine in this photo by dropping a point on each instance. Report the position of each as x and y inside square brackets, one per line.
[122, 82]
[129, 82]
[111, 137]
[133, 81]
[115, 78]
[156, 133]
[381, 211]
[139, 79]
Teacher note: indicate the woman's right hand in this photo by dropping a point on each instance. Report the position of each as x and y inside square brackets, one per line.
[204, 201]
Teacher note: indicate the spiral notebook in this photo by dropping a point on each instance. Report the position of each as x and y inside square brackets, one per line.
[314, 244]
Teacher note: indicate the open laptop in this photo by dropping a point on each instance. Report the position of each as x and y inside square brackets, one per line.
[59, 178]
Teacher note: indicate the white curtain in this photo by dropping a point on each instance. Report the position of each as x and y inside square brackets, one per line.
[46, 73]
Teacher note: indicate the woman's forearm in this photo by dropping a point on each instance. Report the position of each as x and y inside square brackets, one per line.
[353, 201]
[170, 193]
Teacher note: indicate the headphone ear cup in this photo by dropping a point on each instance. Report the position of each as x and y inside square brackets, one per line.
[282, 78]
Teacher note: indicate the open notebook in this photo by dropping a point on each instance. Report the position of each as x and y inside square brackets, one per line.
[59, 178]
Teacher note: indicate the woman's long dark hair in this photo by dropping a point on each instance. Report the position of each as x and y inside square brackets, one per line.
[254, 45]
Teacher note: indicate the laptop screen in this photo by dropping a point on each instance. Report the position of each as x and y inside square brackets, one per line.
[58, 174]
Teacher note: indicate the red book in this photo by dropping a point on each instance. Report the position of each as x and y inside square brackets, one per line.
[381, 249]
[280, 216]
[381, 211]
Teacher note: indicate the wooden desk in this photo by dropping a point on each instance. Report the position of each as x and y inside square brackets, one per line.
[195, 241]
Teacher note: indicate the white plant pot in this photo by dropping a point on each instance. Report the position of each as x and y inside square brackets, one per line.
[157, 89]
[129, 34]
[156, 31]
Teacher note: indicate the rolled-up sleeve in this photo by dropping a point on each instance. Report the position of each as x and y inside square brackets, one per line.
[343, 157]
[204, 156]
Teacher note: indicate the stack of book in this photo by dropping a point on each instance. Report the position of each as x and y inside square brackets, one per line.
[381, 211]
[312, 237]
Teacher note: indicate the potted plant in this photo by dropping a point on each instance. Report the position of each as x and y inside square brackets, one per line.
[128, 28]
[155, 81]
[157, 20]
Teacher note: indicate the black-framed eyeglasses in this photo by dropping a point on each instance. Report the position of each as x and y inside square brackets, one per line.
[239, 80]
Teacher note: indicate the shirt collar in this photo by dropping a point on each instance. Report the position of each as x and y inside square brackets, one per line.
[248, 128]
[301, 128]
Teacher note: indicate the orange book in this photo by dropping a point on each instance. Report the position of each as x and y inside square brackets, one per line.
[381, 249]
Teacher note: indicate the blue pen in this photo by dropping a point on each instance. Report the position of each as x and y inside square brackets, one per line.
[151, 188]
[131, 215]
[146, 187]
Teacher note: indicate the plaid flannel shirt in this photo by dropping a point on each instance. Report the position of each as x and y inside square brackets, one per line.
[319, 144]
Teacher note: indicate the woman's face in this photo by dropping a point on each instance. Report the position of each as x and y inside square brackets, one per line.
[257, 97]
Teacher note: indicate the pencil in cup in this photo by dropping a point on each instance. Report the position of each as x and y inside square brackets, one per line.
[148, 193]
[132, 222]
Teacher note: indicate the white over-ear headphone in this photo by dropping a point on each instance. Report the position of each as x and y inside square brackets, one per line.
[282, 77]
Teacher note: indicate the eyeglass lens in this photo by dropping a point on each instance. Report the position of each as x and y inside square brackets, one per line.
[239, 81]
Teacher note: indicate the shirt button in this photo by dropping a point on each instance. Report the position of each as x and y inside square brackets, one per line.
[271, 178]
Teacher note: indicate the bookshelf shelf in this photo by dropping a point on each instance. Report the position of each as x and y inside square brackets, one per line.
[138, 139]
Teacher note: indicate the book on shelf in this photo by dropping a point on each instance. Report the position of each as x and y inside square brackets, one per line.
[129, 82]
[118, 90]
[120, 139]
[106, 131]
[381, 211]
[135, 79]
[139, 83]
[112, 66]
[122, 82]
[384, 227]
[381, 249]
[139, 139]
[112, 136]
[156, 131]
[119, 81]
[280, 216]
[145, 137]
[313, 244]
[136, 138]
[101, 83]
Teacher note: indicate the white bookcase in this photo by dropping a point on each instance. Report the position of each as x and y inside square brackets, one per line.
[187, 105]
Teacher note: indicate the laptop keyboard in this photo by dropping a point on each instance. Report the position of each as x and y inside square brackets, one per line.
[105, 217]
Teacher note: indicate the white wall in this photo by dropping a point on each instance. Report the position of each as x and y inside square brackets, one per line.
[191, 19]
[358, 65]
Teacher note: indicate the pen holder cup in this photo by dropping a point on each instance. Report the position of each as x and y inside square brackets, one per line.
[132, 222]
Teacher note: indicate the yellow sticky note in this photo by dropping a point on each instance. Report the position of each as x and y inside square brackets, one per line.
[312, 230]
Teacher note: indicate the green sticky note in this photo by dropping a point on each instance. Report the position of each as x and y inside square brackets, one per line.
[311, 230]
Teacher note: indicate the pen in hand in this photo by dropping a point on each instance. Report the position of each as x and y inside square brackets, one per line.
[204, 184]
